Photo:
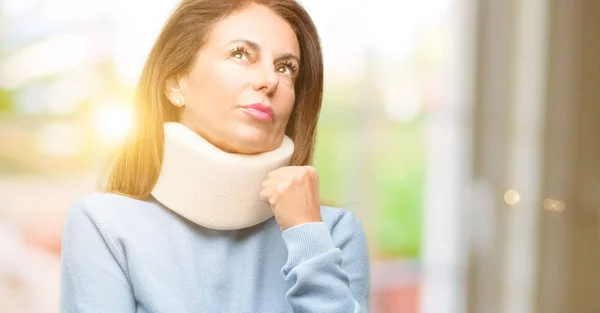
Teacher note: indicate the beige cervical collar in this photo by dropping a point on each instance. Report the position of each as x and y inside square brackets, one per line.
[211, 187]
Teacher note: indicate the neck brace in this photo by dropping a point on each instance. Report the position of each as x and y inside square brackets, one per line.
[211, 187]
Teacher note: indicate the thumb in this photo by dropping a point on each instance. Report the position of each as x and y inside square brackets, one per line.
[265, 195]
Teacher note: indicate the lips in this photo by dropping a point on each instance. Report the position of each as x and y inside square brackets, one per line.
[260, 111]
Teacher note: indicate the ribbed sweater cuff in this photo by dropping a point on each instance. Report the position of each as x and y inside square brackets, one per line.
[306, 241]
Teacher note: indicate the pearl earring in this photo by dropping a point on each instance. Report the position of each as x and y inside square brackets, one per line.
[178, 102]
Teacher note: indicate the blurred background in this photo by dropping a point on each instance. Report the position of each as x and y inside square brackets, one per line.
[463, 133]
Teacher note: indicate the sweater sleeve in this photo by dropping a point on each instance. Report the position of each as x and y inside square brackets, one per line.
[328, 277]
[92, 280]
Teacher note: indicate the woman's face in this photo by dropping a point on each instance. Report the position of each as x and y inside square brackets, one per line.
[239, 92]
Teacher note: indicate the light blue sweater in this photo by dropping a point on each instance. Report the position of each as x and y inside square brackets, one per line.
[121, 255]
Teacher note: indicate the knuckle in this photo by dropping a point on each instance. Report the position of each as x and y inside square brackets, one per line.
[282, 187]
[310, 171]
[298, 179]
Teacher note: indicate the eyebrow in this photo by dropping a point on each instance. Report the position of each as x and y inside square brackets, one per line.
[255, 46]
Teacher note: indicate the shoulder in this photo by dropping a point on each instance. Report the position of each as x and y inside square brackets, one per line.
[109, 205]
[113, 212]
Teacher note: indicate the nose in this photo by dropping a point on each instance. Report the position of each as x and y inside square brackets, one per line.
[266, 80]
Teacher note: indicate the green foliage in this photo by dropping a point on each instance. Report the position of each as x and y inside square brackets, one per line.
[6, 103]
[395, 178]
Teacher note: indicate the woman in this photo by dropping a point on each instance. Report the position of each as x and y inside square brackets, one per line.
[212, 205]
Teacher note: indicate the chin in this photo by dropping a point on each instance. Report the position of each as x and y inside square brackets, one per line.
[251, 143]
[250, 137]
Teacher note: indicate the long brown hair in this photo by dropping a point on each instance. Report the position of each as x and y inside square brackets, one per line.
[137, 165]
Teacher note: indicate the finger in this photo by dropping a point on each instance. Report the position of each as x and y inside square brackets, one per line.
[266, 194]
[283, 172]
[268, 182]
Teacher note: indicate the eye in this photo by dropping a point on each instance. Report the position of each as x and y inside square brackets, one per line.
[240, 53]
[287, 68]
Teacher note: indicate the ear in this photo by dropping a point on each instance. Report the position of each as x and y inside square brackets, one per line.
[175, 90]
